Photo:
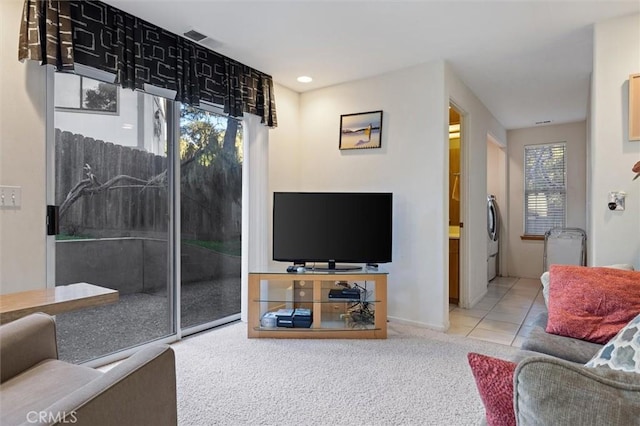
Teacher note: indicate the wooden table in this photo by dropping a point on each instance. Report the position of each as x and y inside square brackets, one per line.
[57, 300]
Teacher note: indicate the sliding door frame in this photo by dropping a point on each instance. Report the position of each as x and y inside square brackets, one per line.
[173, 231]
[50, 172]
[173, 251]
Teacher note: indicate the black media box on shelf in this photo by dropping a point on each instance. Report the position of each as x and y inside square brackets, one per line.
[290, 318]
[347, 293]
[302, 318]
[284, 318]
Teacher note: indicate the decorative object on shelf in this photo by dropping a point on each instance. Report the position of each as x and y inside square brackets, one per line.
[269, 320]
[636, 169]
[360, 313]
[634, 107]
[361, 130]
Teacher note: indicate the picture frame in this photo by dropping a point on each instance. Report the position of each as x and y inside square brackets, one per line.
[361, 130]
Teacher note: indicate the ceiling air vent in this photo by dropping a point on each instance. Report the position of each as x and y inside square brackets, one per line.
[195, 35]
[204, 40]
[543, 122]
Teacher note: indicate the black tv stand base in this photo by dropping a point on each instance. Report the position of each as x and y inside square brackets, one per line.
[332, 267]
[336, 268]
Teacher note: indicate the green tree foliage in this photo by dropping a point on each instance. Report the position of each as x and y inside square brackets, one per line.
[104, 98]
[211, 173]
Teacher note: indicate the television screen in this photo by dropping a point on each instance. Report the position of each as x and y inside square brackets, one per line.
[332, 227]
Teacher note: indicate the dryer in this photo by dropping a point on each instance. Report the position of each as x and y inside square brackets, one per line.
[493, 227]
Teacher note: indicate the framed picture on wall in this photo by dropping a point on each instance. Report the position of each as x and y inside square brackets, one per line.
[362, 130]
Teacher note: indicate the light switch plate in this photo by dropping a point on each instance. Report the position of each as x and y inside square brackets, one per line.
[10, 197]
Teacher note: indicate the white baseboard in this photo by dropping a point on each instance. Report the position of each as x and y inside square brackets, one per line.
[477, 299]
[418, 324]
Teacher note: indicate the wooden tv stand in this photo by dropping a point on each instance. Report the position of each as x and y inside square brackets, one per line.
[331, 318]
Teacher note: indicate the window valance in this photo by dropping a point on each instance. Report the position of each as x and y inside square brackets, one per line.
[45, 34]
[139, 53]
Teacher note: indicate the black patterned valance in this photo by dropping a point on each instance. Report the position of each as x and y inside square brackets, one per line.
[45, 33]
[140, 53]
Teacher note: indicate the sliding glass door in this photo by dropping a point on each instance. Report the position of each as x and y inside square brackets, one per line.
[211, 159]
[112, 170]
[150, 204]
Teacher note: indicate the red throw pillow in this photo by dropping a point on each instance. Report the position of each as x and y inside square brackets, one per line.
[494, 379]
[591, 303]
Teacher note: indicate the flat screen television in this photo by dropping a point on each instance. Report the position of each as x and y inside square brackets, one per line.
[332, 228]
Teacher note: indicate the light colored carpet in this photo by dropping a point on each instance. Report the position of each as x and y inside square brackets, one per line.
[415, 377]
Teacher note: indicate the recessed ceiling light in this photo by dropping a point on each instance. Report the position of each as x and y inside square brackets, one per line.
[305, 79]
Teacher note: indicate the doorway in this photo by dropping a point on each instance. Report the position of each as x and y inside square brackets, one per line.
[497, 187]
[455, 189]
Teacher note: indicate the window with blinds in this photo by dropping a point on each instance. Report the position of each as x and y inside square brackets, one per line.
[545, 187]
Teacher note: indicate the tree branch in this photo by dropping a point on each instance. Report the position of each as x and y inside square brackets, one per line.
[90, 185]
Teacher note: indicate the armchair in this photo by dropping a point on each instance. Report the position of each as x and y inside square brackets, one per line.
[37, 388]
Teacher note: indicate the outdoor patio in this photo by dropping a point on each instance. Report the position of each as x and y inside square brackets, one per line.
[141, 317]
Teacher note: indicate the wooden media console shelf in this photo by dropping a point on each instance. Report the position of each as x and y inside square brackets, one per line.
[363, 317]
[54, 301]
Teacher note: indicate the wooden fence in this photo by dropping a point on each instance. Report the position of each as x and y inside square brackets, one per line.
[210, 195]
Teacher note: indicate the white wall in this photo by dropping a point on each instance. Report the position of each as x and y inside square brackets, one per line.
[495, 175]
[614, 237]
[409, 164]
[22, 160]
[412, 163]
[284, 151]
[285, 145]
[526, 257]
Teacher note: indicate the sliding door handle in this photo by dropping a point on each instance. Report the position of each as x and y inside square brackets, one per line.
[53, 220]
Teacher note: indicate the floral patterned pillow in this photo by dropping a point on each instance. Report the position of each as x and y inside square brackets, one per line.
[622, 352]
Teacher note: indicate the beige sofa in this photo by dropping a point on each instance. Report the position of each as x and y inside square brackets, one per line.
[552, 385]
[37, 388]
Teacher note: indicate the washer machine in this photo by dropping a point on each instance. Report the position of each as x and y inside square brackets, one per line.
[493, 226]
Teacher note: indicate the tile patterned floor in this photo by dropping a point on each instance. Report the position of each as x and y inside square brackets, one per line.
[504, 315]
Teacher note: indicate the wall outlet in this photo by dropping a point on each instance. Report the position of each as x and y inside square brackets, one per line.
[10, 197]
